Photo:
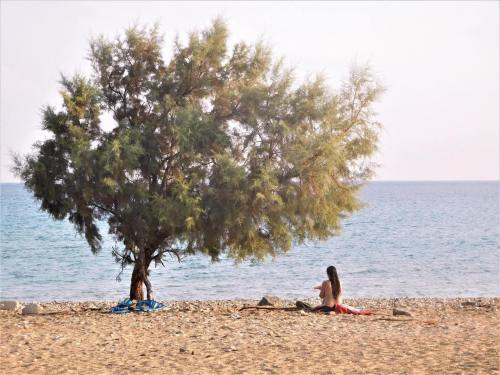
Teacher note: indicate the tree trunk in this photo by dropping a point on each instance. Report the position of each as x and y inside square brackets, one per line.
[149, 287]
[145, 278]
[137, 283]
[140, 278]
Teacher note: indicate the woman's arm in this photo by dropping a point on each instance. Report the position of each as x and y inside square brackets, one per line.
[322, 291]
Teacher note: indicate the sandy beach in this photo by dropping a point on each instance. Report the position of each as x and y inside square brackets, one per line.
[443, 336]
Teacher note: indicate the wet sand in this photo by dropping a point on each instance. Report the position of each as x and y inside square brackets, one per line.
[443, 336]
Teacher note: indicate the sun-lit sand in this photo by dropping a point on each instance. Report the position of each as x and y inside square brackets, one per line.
[443, 336]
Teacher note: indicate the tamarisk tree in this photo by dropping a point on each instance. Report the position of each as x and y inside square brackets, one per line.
[216, 151]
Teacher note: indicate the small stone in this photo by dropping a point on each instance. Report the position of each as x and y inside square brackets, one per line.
[469, 304]
[183, 350]
[270, 301]
[400, 312]
[32, 308]
[9, 305]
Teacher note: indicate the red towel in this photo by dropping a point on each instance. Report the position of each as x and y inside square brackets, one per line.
[339, 309]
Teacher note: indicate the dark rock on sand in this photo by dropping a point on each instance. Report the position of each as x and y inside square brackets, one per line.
[400, 312]
[32, 309]
[9, 305]
[270, 301]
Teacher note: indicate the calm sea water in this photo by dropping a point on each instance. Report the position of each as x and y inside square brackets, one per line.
[413, 239]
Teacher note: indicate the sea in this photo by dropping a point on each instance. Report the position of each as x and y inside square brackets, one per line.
[412, 239]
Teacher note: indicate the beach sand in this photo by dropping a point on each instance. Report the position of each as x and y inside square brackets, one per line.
[444, 336]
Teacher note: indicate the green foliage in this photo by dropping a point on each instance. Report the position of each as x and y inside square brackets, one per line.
[217, 151]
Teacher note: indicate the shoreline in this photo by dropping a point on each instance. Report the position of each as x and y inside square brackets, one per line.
[217, 337]
[253, 300]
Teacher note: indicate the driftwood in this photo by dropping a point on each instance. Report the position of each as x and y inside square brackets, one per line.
[269, 308]
[395, 319]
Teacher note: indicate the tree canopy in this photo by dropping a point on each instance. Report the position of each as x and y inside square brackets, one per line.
[217, 151]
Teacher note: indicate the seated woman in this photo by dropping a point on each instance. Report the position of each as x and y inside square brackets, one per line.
[330, 291]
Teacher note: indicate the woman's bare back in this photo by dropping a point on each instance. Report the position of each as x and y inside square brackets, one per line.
[327, 295]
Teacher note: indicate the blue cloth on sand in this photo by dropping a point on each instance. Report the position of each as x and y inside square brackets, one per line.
[128, 305]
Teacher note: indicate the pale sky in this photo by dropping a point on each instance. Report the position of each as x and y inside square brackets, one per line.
[439, 62]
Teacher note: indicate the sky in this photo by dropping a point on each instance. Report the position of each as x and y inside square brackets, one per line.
[438, 60]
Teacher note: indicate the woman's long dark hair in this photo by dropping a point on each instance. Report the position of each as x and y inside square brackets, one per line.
[334, 280]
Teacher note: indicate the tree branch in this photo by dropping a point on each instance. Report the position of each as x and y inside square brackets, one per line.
[95, 205]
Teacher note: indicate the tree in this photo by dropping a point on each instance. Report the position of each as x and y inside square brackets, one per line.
[216, 151]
